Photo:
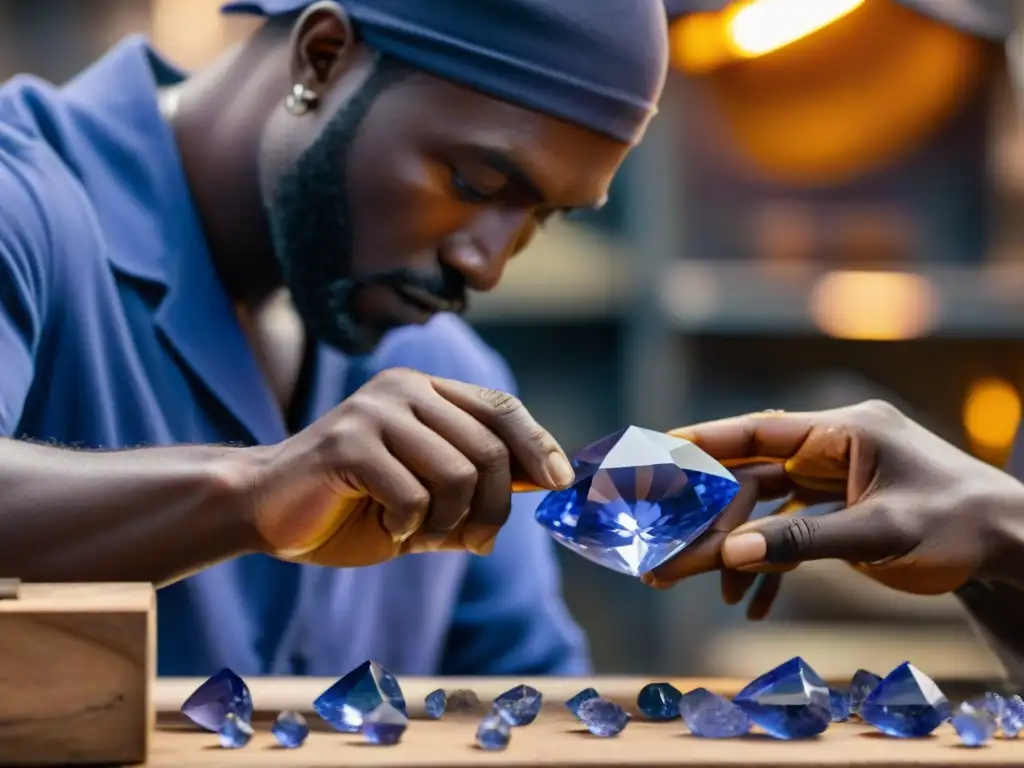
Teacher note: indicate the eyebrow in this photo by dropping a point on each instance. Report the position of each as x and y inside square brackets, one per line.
[515, 172]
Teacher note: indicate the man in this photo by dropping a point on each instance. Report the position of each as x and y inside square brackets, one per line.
[376, 158]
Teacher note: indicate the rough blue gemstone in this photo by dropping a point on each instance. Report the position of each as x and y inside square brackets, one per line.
[223, 694]
[711, 716]
[494, 732]
[464, 701]
[863, 683]
[659, 701]
[435, 704]
[974, 723]
[1011, 721]
[235, 733]
[789, 702]
[639, 498]
[384, 725]
[519, 705]
[839, 703]
[907, 703]
[348, 701]
[603, 718]
[573, 704]
[290, 729]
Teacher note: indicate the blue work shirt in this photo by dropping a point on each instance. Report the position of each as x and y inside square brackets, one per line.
[115, 332]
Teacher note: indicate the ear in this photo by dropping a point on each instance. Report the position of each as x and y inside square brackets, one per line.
[322, 45]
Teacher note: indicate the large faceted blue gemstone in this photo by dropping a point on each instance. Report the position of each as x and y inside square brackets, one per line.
[357, 694]
[640, 497]
[907, 703]
[790, 702]
[223, 694]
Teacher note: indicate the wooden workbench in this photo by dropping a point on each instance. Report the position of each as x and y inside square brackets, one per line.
[555, 739]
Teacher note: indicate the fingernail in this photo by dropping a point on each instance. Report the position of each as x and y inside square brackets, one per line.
[560, 470]
[745, 549]
[480, 543]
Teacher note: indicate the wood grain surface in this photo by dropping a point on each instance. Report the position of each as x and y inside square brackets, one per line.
[76, 665]
[555, 739]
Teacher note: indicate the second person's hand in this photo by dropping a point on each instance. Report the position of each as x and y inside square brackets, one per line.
[408, 463]
[919, 515]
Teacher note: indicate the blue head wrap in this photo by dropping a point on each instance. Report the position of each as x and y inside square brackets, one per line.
[600, 64]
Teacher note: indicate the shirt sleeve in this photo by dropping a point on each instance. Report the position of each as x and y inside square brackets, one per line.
[24, 249]
[510, 617]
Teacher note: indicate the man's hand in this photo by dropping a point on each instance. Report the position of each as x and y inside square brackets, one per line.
[408, 463]
[919, 514]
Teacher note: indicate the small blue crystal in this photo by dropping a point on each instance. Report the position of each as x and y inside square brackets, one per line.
[974, 723]
[863, 683]
[659, 701]
[839, 703]
[573, 704]
[494, 732]
[1011, 720]
[639, 498]
[603, 718]
[789, 702]
[384, 725]
[235, 733]
[907, 703]
[991, 702]
[519, 705]
[711, 716]
[435, 704]
[290, 729]
[348, 701]
[223, 694]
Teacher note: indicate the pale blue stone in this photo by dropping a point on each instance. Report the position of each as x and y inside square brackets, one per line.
[494, 732]
[290, 729]
[603, 718]
[385, 725]
[235, 733]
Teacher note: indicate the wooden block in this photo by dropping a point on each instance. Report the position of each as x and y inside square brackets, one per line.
[77, 663]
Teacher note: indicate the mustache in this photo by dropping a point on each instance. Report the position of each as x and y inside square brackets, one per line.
[446, 284]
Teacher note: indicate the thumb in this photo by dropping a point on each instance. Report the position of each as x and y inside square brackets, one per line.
[859, 534]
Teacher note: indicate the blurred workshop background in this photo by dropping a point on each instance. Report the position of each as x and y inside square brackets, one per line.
[828, 209]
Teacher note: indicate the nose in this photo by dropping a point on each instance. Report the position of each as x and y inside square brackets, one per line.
[480, 251]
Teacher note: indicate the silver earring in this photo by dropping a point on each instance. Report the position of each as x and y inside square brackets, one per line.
[301, 100]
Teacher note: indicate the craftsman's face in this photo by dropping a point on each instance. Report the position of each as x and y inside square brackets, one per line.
[400, 191]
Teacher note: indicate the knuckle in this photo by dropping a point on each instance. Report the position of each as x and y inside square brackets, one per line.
[882, 412]
[460, 475]
[414, 502]
[800, 534]
[493, 454]
[393, 378]
[500, 402]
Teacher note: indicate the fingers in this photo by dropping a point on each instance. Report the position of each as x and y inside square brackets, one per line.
[380, 475]
[773, 435]
[863, 533]
[764, 596]
[536, 451]
[491, 501]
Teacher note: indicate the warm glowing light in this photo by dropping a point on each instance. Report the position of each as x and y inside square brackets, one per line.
[757, 27]
[992, 412]
[876, 306]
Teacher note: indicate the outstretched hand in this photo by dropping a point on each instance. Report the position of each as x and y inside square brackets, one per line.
[918, 514]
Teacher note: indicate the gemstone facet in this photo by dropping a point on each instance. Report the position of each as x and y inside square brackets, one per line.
[573, 704]
[290, 729]
[907, 703]
[789, 702]
[1011, 720]
[603, 718]
[223, 694]
[839, 702]
[235, 733]
[659, 701]
[435, 704]
[519, 705]
[494, 732]
[863, 683]
[348, 701]
[711, 716]
[974, 723]
[384, 726]
[639, 498]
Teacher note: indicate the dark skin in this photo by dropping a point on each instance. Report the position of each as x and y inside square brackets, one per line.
[438, 177]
